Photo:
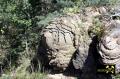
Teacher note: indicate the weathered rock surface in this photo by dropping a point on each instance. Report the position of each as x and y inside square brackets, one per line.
[60, 40]
[109, 45]
[66, 35]
[66, 40]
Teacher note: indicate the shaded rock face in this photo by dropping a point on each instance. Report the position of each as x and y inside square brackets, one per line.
[109, 45]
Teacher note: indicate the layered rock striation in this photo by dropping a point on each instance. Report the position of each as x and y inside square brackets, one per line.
[109, 45]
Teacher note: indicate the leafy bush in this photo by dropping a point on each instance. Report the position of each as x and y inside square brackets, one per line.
[97, 28]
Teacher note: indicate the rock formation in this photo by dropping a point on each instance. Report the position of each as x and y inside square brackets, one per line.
[66, 35]
[60, 40]
[109, 45]
[66, 40]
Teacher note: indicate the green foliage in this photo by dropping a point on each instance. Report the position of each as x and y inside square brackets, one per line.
[15, 23]
[97, 28]
[74, 9]
[46, 19]
[95, 2]
[20, 25]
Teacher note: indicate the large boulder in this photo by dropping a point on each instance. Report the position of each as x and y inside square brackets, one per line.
[60, 40]
[66, 35]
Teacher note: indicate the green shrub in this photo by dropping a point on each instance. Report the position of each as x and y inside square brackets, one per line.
[97, 28]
